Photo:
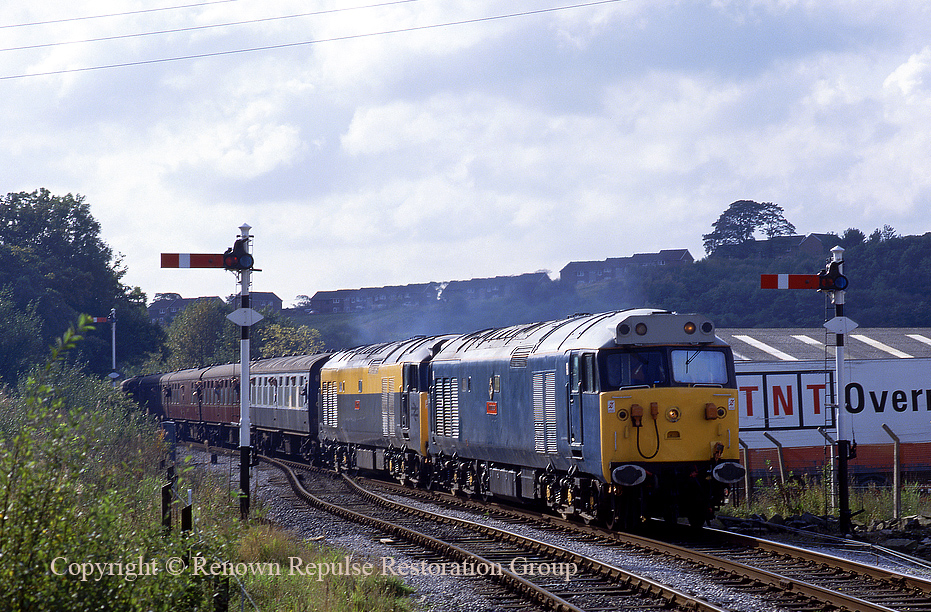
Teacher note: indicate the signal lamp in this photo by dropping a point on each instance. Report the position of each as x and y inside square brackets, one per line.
[672, 415]
[689, 328]
[641, 329]
[831, 279]
[236, 258]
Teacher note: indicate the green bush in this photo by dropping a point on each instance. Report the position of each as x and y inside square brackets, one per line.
[78, 486]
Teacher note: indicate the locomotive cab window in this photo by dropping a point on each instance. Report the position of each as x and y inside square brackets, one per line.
[664, 368]
[645, 368]
[699, 367]
[582, 373]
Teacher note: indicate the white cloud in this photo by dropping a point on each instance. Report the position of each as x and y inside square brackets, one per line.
[497, 147]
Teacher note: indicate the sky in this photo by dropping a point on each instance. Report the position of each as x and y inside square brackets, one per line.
[371, 143]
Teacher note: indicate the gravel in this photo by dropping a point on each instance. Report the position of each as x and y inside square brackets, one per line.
[282, 507]
[448, 594]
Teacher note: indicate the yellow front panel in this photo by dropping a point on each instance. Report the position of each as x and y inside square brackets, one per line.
[691, 438]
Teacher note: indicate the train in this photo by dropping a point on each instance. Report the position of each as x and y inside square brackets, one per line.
[608, 418]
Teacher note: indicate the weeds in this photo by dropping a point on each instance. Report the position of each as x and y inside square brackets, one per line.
[80, 524]
[813, 495]
[292, 591]
[77, 484]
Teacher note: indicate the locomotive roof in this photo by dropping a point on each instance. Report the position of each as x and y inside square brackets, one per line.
[412, 350]
[606, 330]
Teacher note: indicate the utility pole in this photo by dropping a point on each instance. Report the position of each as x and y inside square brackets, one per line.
[831, 280]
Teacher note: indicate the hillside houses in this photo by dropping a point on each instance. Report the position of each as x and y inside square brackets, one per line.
[373, 298]
[587, 272]
[778, 246]
[574, 274]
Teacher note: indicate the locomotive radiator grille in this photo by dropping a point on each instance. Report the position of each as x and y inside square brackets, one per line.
[447, 407]
[329, 403]
[387, 406]
[544, 411]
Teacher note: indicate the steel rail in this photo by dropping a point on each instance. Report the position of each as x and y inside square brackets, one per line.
[913, 582]
[511, 579]
[834, 598]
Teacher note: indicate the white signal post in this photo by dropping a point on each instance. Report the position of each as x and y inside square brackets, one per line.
[112, 321]
[237, 258]
[834, 282]
[840, 325]
[244, 317]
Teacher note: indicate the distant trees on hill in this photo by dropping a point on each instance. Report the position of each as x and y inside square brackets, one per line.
[742, 220]
[887, 289]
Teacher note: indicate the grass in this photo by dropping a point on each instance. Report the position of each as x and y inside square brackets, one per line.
[804, 494]
[295, 584]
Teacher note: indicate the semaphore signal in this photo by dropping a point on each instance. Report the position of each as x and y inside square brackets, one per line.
[238, 259]
[788, 281]
[830, 280]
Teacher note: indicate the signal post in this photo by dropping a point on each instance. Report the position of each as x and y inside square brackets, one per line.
[237, 259]
[831, 280]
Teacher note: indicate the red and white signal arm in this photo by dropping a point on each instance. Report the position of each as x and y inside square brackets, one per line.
[192, 260]
[788, 281]
[100, 319]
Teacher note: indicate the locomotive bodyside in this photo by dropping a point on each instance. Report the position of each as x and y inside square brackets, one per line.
[374, 406]
[589, 414]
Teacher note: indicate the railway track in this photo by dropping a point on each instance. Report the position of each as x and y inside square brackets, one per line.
[781, 576]
[546, 575]
[785, 576]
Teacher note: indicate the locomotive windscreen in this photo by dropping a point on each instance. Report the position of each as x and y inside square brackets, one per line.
[661, 368]
[699, 367]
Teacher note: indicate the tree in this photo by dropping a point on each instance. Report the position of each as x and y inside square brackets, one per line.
[20, 338]
[880, 235]
[159, 297]
[55, 265]
[742, 219]
[852, 237]
[277, 340]
[201, 335]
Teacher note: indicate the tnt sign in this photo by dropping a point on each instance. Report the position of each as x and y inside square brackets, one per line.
[775, 400]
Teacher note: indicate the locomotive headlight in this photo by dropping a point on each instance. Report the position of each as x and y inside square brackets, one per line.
[689, 328]
[641, 329]
[673, 414]
[622, 414]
